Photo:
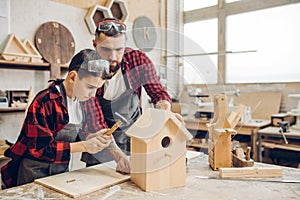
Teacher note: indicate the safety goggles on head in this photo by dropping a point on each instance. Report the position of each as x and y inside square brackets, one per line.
[97, 66]
[108, 24]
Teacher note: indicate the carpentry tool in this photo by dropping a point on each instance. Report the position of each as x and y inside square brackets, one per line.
[239, 159]
[117, 124]
[284, 127]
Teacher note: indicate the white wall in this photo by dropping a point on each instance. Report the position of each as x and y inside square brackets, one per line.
[23, 18]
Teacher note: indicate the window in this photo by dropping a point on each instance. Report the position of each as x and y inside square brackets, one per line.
[230, 1]
[200, 38]
[196, 4]
[274, 34]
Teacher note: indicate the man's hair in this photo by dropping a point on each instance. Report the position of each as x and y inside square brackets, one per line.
[111, 32]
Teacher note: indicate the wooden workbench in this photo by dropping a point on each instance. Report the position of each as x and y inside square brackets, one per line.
[274, 132]
[250, 128]
[196, 187]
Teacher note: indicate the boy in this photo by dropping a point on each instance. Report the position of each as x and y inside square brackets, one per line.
[55, 122]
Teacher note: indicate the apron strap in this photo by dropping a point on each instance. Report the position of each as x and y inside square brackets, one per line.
[64, 94]
[126, 81]
[125, 76]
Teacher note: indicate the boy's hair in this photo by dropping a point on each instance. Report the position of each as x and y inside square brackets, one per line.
[88, 62]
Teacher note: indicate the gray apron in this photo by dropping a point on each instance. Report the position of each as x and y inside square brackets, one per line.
[31, 168]
[127, 104]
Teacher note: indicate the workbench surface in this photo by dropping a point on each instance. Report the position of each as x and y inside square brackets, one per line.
[197, 187]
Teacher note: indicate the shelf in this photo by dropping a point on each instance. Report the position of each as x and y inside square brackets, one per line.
[13, 109]
[280, 146]
[27, 65]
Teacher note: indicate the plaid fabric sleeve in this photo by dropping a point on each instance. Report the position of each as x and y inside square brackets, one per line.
[94, 118]
[149, 78]
[41, 123]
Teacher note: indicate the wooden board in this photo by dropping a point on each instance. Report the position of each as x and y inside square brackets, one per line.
[83, 181]
[263, 104]
[251, 172]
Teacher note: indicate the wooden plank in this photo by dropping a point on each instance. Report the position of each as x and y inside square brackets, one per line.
[281, 146]
[82, 4]
[251, 172]
[236, 115]
[83, 181]
[263, 103]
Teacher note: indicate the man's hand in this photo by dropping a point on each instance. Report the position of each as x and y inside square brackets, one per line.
[165, 105]
[180, 118]
[123, 164]
[97, 141]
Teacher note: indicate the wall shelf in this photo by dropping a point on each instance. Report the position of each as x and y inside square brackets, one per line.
[27, 65]
[6, 64]
[12, 109]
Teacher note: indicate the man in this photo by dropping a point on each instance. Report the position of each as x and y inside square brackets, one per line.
[131, 70]
[55, 122]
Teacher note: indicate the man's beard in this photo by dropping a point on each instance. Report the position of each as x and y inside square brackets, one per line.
[114, 69]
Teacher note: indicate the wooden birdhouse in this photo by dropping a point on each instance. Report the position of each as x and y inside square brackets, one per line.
[158, 150]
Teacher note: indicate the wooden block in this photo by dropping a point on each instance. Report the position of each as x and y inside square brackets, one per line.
[251, 172]
[220, 148]
[83, 181]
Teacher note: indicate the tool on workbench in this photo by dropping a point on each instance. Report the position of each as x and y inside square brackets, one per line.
[121, 120]
[283, 128]
[240, 159]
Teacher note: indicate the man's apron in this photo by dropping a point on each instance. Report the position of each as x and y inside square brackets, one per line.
[31, 168]
[127, 104]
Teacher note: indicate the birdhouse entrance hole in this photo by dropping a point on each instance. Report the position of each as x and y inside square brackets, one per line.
[165, 142]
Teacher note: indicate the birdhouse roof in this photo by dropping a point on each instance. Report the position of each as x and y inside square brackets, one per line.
[152, 121]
